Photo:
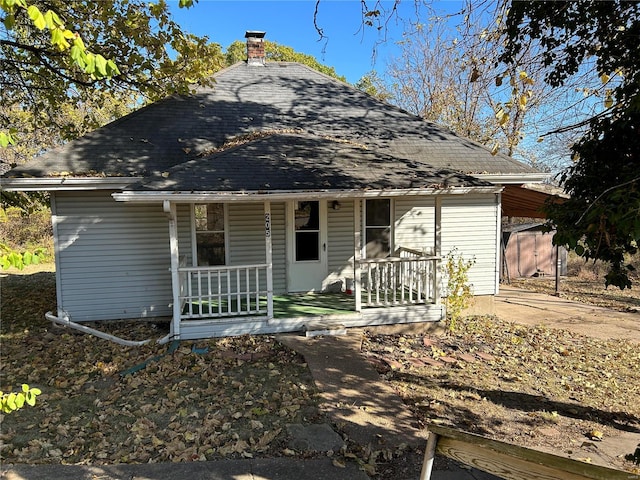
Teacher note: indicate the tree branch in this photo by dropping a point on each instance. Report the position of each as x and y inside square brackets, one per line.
[633, 180]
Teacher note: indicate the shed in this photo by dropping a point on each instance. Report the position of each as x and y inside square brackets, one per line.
[529, 252]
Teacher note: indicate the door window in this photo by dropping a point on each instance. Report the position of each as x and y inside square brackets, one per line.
[307, 231]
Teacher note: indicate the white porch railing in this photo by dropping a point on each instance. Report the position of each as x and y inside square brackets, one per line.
[404, 279]
[225, 291]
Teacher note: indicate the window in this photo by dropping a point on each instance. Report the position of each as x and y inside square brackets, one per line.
[209, 220]
[378, 228]
[307, 224]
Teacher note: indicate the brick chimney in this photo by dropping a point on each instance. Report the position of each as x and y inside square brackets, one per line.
[255, 47]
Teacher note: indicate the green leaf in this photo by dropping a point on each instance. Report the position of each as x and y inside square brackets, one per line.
[27, 258]
[11, 401]
[90, 63]
[36, 16]
[101, 65]
[78, 55]
[10, 21]
[112, 68]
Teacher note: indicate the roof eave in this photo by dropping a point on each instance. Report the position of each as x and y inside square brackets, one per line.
[280, 195]
[66, 183]
[513, 178]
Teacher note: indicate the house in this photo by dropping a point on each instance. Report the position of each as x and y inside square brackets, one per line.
[220, 209]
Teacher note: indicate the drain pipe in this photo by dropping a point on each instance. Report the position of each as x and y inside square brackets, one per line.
[66, 322]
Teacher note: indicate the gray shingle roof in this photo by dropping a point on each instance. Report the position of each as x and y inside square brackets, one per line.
[301, 162]
[276, 97]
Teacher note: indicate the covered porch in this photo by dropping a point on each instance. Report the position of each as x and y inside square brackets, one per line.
[210, 301]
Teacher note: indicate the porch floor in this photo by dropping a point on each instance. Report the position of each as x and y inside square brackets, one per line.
[312, 304]
[284, 306]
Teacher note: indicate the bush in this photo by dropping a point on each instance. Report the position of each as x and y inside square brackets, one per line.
[592, 271]
[458, 293]
[20, 232]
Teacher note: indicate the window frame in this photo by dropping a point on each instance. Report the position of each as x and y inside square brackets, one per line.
[195, 231]
[365, 226]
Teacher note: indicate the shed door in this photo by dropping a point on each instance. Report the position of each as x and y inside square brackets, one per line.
[307, 245]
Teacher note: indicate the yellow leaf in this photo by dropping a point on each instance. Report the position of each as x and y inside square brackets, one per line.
[608, 99]
[523, 102]
[595, 435]
[604, 78]
[523, 75]
[339, 463]
[369, 469]
[495, 149]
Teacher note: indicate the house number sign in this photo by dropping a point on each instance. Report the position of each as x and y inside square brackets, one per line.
[267, 224]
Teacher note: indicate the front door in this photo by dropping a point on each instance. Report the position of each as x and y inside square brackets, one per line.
[306, 245]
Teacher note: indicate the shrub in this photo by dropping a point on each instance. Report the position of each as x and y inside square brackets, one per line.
[28, 239]
[458, 292]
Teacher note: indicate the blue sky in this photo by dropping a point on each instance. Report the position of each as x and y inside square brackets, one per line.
[348, 48]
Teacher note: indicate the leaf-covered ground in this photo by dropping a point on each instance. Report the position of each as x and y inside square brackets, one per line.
[233, 397]
[532, 386]
[207, 399]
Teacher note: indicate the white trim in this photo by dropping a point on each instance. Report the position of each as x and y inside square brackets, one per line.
[513, 178]
[66, 183]
[56, 255]
[357, 253]
[171, 210]
[268, 234]
[259, 196]
[437, 250]
[496, 288]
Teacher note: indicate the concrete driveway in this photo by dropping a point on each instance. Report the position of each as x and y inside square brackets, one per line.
[532, 308]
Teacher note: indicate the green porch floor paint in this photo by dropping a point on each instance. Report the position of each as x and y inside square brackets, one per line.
[287, 306]
[304, 305]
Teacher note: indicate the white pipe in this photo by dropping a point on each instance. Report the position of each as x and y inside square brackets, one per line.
[166, 339]
[92, 331]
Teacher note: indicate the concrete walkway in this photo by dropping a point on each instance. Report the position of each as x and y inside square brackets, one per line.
[531, 308]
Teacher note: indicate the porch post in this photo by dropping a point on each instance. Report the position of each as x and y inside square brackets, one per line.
[437, 250]
[268, 257]
[170, 209]
[357, 253]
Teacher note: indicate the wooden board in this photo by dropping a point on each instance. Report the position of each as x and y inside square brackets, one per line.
[513, 462]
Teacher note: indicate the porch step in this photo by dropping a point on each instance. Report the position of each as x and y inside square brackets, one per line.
[323, 327]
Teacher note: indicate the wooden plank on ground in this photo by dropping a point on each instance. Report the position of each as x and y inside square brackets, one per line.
[513, 462]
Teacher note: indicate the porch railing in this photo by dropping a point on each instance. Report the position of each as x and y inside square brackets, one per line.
[407, 278]
[225, 291]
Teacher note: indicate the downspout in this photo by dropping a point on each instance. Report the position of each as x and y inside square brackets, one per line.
[66, 322]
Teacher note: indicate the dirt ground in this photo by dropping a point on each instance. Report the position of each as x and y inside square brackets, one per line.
[225, 398]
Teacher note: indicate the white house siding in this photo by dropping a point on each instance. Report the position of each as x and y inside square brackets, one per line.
[470, 223]
[414, 223]
[278, 247]
[340, 244]
[113, 258]
[246, 239]
[185, 236]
